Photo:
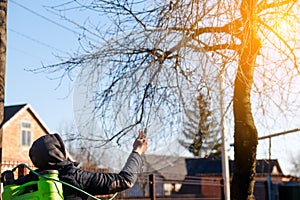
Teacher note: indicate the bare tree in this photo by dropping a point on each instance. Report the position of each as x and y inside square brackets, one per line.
[150, 56]
[84, 152]
[78, 151]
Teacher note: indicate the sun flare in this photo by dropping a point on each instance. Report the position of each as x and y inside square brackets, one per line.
[284, 26]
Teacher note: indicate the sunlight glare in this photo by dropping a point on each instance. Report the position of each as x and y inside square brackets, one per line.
[284, 26]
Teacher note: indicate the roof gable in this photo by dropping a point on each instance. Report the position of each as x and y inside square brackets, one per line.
[268, 166]
[12, 111]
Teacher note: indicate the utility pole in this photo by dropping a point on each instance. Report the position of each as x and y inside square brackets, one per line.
[3, 17]
[225, 160]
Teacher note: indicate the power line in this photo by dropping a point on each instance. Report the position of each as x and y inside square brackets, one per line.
[25, 53]
[76, 24]
[36, 41]
[43, 17]
[49, 20]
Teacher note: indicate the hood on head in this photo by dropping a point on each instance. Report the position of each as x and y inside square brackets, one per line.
[49, 152]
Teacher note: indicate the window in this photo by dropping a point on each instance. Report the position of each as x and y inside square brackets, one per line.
[25, 133]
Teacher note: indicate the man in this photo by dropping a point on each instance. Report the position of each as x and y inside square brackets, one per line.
[49, 152]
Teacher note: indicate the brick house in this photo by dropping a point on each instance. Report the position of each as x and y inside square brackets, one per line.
[207, 173]
[21, 126]
[195, 178]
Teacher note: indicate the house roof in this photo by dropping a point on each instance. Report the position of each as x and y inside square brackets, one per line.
[13, 110]
[266, 166]
[177, 168]
[210, 165]
[10, 111]
[213, 166]
[170, 167]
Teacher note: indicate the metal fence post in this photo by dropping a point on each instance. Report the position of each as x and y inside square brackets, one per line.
[152, 187]
[222, 189]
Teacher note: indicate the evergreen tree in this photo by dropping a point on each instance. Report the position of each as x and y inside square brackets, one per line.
[201, 129]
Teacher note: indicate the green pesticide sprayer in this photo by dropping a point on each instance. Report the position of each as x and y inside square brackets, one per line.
[46, 187]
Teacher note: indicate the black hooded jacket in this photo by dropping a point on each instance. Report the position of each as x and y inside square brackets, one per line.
[49, 152]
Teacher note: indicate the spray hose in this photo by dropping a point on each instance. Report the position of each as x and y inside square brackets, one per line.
[62, 182]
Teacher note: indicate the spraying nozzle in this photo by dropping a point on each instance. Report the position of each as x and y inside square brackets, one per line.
[143, 134]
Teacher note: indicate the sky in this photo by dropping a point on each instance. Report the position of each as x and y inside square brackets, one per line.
[35, 37]
[33, 40]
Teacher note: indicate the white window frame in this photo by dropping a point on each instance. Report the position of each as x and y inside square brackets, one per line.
[25, 131]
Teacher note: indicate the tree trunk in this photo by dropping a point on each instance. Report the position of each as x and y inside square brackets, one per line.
[245, 133]
[3, 15]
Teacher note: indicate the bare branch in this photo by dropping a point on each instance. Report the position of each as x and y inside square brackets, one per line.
[264, 5]
[285, 43]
